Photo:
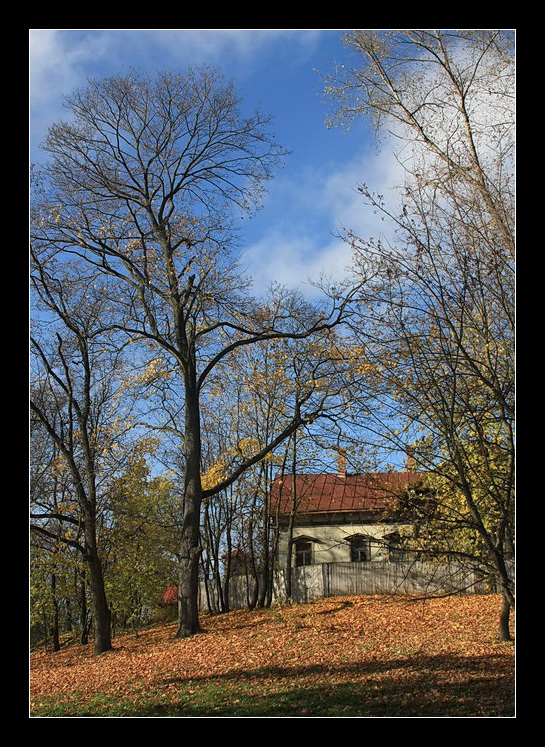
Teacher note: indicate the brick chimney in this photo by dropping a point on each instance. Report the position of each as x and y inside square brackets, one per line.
[341, 463]
[411, 461]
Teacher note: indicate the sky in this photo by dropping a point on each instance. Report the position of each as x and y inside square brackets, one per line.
[294, 237]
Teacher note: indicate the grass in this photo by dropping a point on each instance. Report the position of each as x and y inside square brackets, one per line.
[348, 657]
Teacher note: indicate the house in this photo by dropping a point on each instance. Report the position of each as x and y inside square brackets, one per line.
[342, 517]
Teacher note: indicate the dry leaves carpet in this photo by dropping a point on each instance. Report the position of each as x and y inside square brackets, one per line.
[339, 657]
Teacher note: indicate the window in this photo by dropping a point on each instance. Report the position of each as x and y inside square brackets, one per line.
[303, 552]
[395, 549]
[360, 550]
[363, 548]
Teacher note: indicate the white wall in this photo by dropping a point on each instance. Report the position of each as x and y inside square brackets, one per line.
[331, 545]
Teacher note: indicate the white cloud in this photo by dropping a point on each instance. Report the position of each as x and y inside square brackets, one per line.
[58, 65]
[61, 60]
[58, 57]
[294, 261]
[214, 44]
[323, 205]
[379, 172]
[310, 204]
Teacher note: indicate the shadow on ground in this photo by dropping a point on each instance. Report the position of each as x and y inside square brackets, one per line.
[426, 686]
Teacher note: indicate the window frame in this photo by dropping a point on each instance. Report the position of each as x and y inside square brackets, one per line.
[305, 555]
[362, 543]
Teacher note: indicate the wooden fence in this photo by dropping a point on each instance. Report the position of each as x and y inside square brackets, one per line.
[351, 579]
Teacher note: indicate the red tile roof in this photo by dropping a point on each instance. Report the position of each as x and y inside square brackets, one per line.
[318, 494]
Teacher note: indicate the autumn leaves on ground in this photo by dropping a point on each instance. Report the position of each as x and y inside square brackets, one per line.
[338, 657]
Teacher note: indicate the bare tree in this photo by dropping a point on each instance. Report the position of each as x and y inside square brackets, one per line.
[448, 97]
[145, 184]
[440, 318]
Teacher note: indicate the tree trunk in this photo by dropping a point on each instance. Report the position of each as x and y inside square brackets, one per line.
[101, 612]
[505, 633]
[55, 630]
[84, 628]
[263, 576]
[225, 593]
[291, 524]
[289, 561]
[188, 602]
[508, 594]
[263, 583]
[83, 617]
[190, 546]
[46, 626]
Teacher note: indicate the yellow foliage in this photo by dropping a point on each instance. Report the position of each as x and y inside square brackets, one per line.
[248, 446]
[59, 465]
[215, 474]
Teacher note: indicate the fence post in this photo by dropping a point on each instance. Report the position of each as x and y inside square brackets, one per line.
[325, 579]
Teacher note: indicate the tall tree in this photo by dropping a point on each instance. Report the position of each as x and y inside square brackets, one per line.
[73, 400]
[145, 183]
[442, 308]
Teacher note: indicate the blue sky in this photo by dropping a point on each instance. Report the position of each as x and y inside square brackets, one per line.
[313, 197]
